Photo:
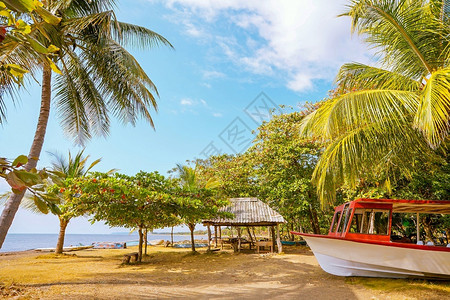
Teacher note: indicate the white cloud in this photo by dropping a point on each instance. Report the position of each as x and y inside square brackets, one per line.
[217, 115]
[300, 41]
[213, 74]
[192, 30]
[187, 102]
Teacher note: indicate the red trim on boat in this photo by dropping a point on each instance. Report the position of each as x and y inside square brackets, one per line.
[383, 243]
[367, 200]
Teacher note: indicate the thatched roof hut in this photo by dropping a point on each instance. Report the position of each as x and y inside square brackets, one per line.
[248, 212]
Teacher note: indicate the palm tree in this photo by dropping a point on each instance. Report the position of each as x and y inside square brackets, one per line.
[58, 203]
[190, 182]
[381, 116]
[97, 76]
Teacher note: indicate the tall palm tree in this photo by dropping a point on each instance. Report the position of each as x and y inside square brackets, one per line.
[97, 76]
[381, 116]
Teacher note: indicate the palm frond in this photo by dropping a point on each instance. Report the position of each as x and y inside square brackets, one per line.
[370, 149]
[76, 8]
[102, 22]
[433, 113]
[406, 34]
[138, 36]
[80, 104]
[354, 109]
[122, 81]
[356, 76]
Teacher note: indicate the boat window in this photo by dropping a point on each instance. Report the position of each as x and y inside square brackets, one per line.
[375, 221]
[381, 225]
[335, 221]
[344, 219]
[356, 224]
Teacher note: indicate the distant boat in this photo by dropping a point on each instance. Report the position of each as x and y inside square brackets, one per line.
[65, 249]
[151, 243]
[189, 245]
[109, 245]
[359, 242]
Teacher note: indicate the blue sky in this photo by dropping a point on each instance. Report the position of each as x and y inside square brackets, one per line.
[231, 59]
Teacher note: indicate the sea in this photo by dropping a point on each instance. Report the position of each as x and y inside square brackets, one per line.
[23, 241]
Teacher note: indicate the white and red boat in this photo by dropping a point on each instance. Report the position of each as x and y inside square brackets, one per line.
[359, 241]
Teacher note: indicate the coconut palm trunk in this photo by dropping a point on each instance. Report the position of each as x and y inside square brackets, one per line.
[12, 205]
[62, 233]
[191, 228]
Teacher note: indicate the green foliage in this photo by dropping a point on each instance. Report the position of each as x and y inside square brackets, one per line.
[234, 173]
[380, 120]
[277, 168]
[121, 202]
[96, 77]
[20, 23]
[197, 200]
[283, 165]
[22, 180]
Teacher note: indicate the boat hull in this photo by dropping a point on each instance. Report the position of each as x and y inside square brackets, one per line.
[357, 258]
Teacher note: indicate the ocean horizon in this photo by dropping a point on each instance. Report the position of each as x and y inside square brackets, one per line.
[30, 241]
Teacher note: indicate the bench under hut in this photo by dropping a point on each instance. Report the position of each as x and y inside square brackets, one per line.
[248, 213]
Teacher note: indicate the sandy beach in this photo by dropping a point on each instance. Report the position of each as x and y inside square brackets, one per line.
[168, 273]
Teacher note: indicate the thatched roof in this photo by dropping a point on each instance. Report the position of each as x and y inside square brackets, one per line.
[247, 212]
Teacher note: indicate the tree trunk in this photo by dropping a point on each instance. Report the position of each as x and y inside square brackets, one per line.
[13, 202]
[426, 221]
[171, 237]
[62, 234]
[314, 220]
[191, 228]
[145, 240]
[250, 234]
[141, 240]
[209, 238]
[272, 231]
[254, 234]
[279, 245]
[291, 236]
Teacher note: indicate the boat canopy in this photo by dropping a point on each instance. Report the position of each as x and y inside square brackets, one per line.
[412, 206]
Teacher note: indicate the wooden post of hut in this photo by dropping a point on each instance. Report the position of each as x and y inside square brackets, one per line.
[272, 229]
[250, 235]
[215, 235]
[279, 245]
[209, 238]
[239, 239]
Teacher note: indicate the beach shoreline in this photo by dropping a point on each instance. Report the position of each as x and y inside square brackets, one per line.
[23, 242]
[176, 273]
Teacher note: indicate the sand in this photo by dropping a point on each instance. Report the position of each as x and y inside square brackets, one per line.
[169, 273]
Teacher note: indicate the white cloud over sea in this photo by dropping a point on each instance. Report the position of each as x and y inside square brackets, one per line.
[300, 41]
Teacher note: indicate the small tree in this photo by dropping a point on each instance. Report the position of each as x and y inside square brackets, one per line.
[197, 200]
[198, 204]
[121, 202]
[75, 167]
